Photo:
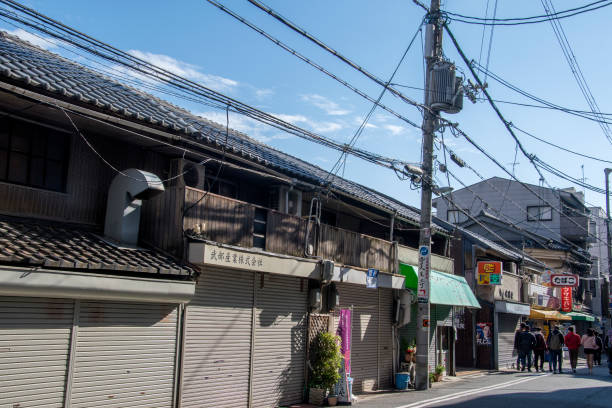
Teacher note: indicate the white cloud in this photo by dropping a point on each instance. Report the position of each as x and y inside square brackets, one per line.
[41, 41]
[395, 129]
[263, 93]
[292, 118]
[321, 102]
[186, 70]
[325, 127]
[358, 121]
[246, 125]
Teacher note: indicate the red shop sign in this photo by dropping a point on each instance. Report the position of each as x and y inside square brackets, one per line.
[566, 299]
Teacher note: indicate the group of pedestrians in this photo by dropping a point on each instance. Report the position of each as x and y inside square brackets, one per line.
[529, 343]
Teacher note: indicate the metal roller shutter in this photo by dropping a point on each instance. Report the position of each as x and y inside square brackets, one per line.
[385, 339]
[508, 325]
[125, 355]
[218, 340]
[34, 347]
[364, 350]
[280, 341]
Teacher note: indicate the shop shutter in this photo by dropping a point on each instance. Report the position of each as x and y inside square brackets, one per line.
[364, 348]
[34, 348]
[280, 340]
[125, 355]
[217, 350]
[508, 325]
[385, 339]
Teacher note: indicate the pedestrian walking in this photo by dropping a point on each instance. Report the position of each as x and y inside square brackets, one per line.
[599, 350]
[555, 344]
[572, 342]
[525, 344]
[539, 349]
[608, 348]
[589, 342]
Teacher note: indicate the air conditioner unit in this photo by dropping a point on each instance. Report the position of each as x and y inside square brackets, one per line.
[185, 173]
[286, 200]
[332, 298]
[533, 300]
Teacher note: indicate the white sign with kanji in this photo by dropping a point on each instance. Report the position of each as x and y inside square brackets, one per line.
[564, 280]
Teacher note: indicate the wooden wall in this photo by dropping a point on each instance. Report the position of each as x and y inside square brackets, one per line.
[88, 180]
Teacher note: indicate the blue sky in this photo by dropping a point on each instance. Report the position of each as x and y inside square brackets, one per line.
[199, 41]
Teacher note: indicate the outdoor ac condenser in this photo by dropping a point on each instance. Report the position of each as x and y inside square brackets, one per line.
[327, 270]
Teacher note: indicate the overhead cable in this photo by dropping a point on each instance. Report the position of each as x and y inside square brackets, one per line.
[528, 20]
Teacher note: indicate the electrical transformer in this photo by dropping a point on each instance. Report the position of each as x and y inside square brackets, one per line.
[446, 88]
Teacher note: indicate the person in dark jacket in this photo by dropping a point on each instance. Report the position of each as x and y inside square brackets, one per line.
[525, 345]
[555, 344]
[608, 348]
[539, 349]
[599, 350]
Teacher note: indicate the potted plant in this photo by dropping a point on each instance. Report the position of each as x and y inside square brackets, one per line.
[325, 367]
[409, 349]
[438, 372]
[432, 378]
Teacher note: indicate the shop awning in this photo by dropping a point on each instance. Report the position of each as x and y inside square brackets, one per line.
[579, 316]
[548, 315]
[445, 289]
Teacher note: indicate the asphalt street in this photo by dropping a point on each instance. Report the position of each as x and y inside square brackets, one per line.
[507, 389]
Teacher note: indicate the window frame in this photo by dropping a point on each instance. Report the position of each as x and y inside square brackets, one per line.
[37, 132]
[540, 213]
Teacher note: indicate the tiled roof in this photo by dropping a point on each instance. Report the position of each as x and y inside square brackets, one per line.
[51, 245]
[39, 69]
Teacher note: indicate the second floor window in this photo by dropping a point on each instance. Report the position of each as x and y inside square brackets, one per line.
[33, 155]
[539, 213]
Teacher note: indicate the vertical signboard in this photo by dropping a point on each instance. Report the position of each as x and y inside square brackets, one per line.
[566, 299]
[372, 279]
[423, 286]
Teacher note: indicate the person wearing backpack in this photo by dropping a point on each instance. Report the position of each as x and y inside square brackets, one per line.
[555, 344]
[539, 349]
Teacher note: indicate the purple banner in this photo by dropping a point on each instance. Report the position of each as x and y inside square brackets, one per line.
[344, 331]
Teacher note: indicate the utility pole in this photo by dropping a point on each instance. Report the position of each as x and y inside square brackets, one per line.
[433, 52]
[606, 302]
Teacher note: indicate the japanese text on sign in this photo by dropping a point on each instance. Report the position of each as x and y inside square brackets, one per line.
[423, 284]
[564, 280]
[566, 299]
[219, 255]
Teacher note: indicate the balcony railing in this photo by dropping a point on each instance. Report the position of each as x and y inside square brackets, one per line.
[238, 223]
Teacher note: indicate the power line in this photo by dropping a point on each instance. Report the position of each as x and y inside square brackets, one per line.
[107, 52]
[525, 18]
[553, 17]
[362, 126]
[504, 199]
[329, 49]
[575, 68]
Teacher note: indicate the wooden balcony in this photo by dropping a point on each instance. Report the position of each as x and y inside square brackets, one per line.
[233, 222]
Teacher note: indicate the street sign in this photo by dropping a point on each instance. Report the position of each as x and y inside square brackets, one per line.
[489, 273]
[564, 280]
[566, 299]
[372, 278]
[423, 284]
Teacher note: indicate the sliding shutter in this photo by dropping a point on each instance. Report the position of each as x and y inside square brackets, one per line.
[34, 348]
[218, 340]
[280, 340]
[125, 355]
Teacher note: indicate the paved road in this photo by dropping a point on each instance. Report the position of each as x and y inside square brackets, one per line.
[507, 389]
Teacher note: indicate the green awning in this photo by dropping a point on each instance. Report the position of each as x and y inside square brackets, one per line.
[579, 316]
[445, 289]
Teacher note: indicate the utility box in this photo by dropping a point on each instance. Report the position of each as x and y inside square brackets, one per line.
[446, 88]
